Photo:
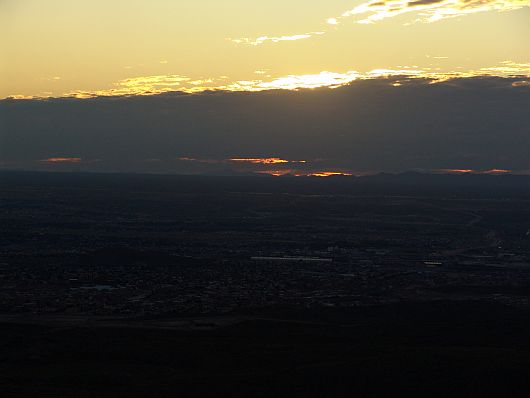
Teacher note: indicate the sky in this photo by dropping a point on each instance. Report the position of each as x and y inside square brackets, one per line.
[63, 47]
[191, 86]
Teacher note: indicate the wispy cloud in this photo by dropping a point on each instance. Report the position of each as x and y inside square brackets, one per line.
[376, 10]
[508, 68]
[429, 10]
[142, 85]
[274, 39]
[152, 82]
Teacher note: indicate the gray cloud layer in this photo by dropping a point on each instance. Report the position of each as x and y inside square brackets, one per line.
[474, 123]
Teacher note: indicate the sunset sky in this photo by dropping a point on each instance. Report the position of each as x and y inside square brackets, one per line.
[65, 47]
[190, 86]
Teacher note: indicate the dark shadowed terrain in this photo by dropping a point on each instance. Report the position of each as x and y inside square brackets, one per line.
[140, 285]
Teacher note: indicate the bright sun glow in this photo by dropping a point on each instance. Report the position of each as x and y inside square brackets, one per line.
[150, 85]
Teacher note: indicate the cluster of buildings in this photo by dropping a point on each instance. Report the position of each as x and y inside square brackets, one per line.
[345, 278]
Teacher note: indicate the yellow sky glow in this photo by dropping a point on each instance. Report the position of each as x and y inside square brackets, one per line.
[150, 85]
[130, 47]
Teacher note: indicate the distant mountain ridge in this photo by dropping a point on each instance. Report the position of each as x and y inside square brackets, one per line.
[407, 183]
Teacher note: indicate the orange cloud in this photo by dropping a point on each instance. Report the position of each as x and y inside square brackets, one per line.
[264, 160]
[329, 174]
[299, 173]
[457, 171]
[279, 173]
[257, 161]
[62, 160]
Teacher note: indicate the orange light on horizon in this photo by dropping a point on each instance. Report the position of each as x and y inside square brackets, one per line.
[496, 171]
[329, 174]
[472, 171]
[62, 160]
[458, 171]
[205, 161]
[264, 160]
[280, 173]
[300, 173]
[254, 161]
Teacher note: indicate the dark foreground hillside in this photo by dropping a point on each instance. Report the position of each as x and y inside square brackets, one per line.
[440, 349]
